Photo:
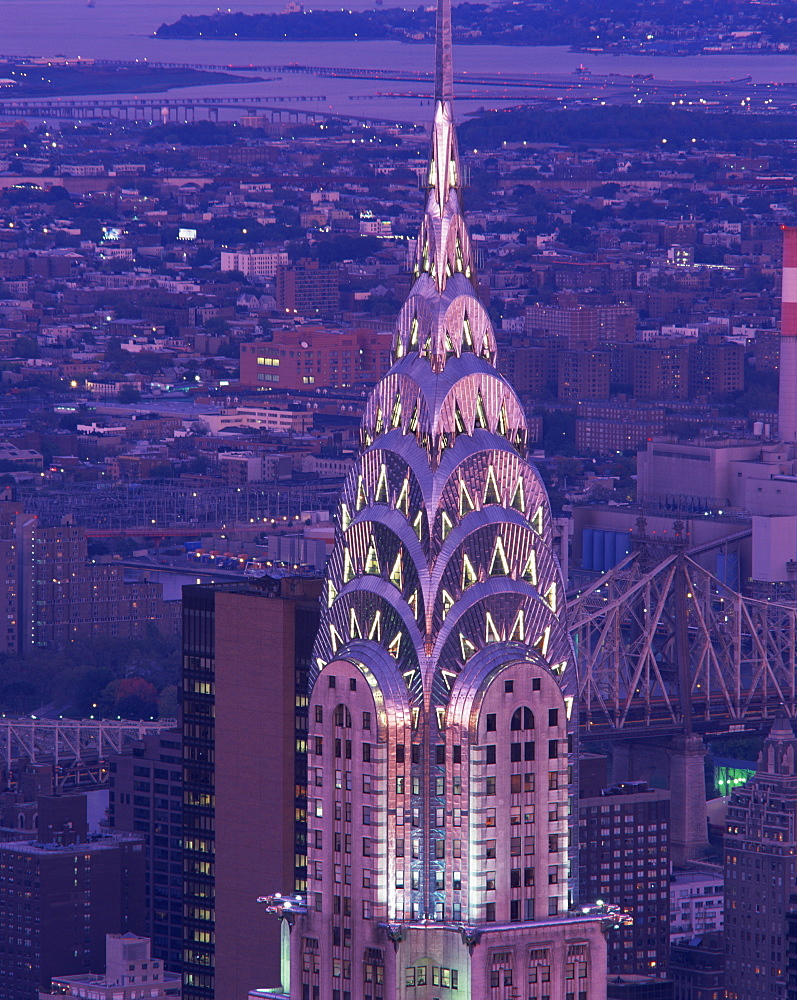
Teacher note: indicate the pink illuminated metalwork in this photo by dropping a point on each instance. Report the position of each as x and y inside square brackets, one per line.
[443, 673]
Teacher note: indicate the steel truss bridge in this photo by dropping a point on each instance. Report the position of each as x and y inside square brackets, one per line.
[665, 647]
[78, 749]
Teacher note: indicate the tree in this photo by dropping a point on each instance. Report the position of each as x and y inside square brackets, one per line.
[26, 347]
[130, 698]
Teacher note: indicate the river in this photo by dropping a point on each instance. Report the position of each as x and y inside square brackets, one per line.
[122, 29]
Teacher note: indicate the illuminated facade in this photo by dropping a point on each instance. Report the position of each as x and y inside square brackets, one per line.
[443, 675]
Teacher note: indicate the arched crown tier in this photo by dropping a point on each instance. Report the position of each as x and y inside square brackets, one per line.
[439, 327]
[437, 410]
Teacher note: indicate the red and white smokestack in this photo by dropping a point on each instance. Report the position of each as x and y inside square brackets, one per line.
[787, 389]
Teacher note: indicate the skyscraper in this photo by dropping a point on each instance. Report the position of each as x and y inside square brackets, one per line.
[787, 390]
[442, 675]
[760, 846]
[246, 652]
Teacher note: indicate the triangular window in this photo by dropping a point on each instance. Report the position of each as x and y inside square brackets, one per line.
[519, 497]
[362, 496]
[372, 560]
[467, 336]
[469, 576]
[490, 631]
[466, 647]
[542, 643]
[518, 632]
[498, 563]
[397, 573]
[481, 419]
[381, 495]
[502, 422]
[466, 504]
[491, 494]
[348, 567]
[530, 569]
[395, 418]
[403, 500]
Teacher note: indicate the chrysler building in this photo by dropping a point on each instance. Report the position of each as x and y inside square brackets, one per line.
[439, 756]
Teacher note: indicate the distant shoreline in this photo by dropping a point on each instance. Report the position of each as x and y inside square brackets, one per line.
[31, 80]
[475, 24]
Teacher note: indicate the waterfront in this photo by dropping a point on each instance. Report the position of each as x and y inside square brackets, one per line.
[122, 29]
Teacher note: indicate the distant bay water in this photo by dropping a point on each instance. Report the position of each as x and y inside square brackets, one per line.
[122, 29]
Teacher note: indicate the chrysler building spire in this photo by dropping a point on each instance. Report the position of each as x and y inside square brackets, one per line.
[444, 71]
[443, 674]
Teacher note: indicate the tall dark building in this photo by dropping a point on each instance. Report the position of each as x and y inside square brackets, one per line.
[791, 948]
[246, 654]
[625, 859]
[146, 798]
[760, 848]
[57, 903]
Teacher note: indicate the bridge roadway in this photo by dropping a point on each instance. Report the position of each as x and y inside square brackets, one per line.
[480, 86]
[496, 79]
[171, 109]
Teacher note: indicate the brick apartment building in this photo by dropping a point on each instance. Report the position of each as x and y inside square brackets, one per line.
[305, 289]
[583, 375]
[625, 859]
[61, 895]
[311, 357]
[55, 594]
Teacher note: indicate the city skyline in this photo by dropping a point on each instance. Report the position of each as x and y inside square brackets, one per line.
[511, 388]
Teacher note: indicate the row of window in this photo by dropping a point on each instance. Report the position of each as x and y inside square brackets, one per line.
[527, 748]
[416, 975]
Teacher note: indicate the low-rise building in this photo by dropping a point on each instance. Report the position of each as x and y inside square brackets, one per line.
[131, 973]
[696, 902]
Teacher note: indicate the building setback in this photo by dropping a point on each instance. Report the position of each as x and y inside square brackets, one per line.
[246, 655]
[131, 973]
